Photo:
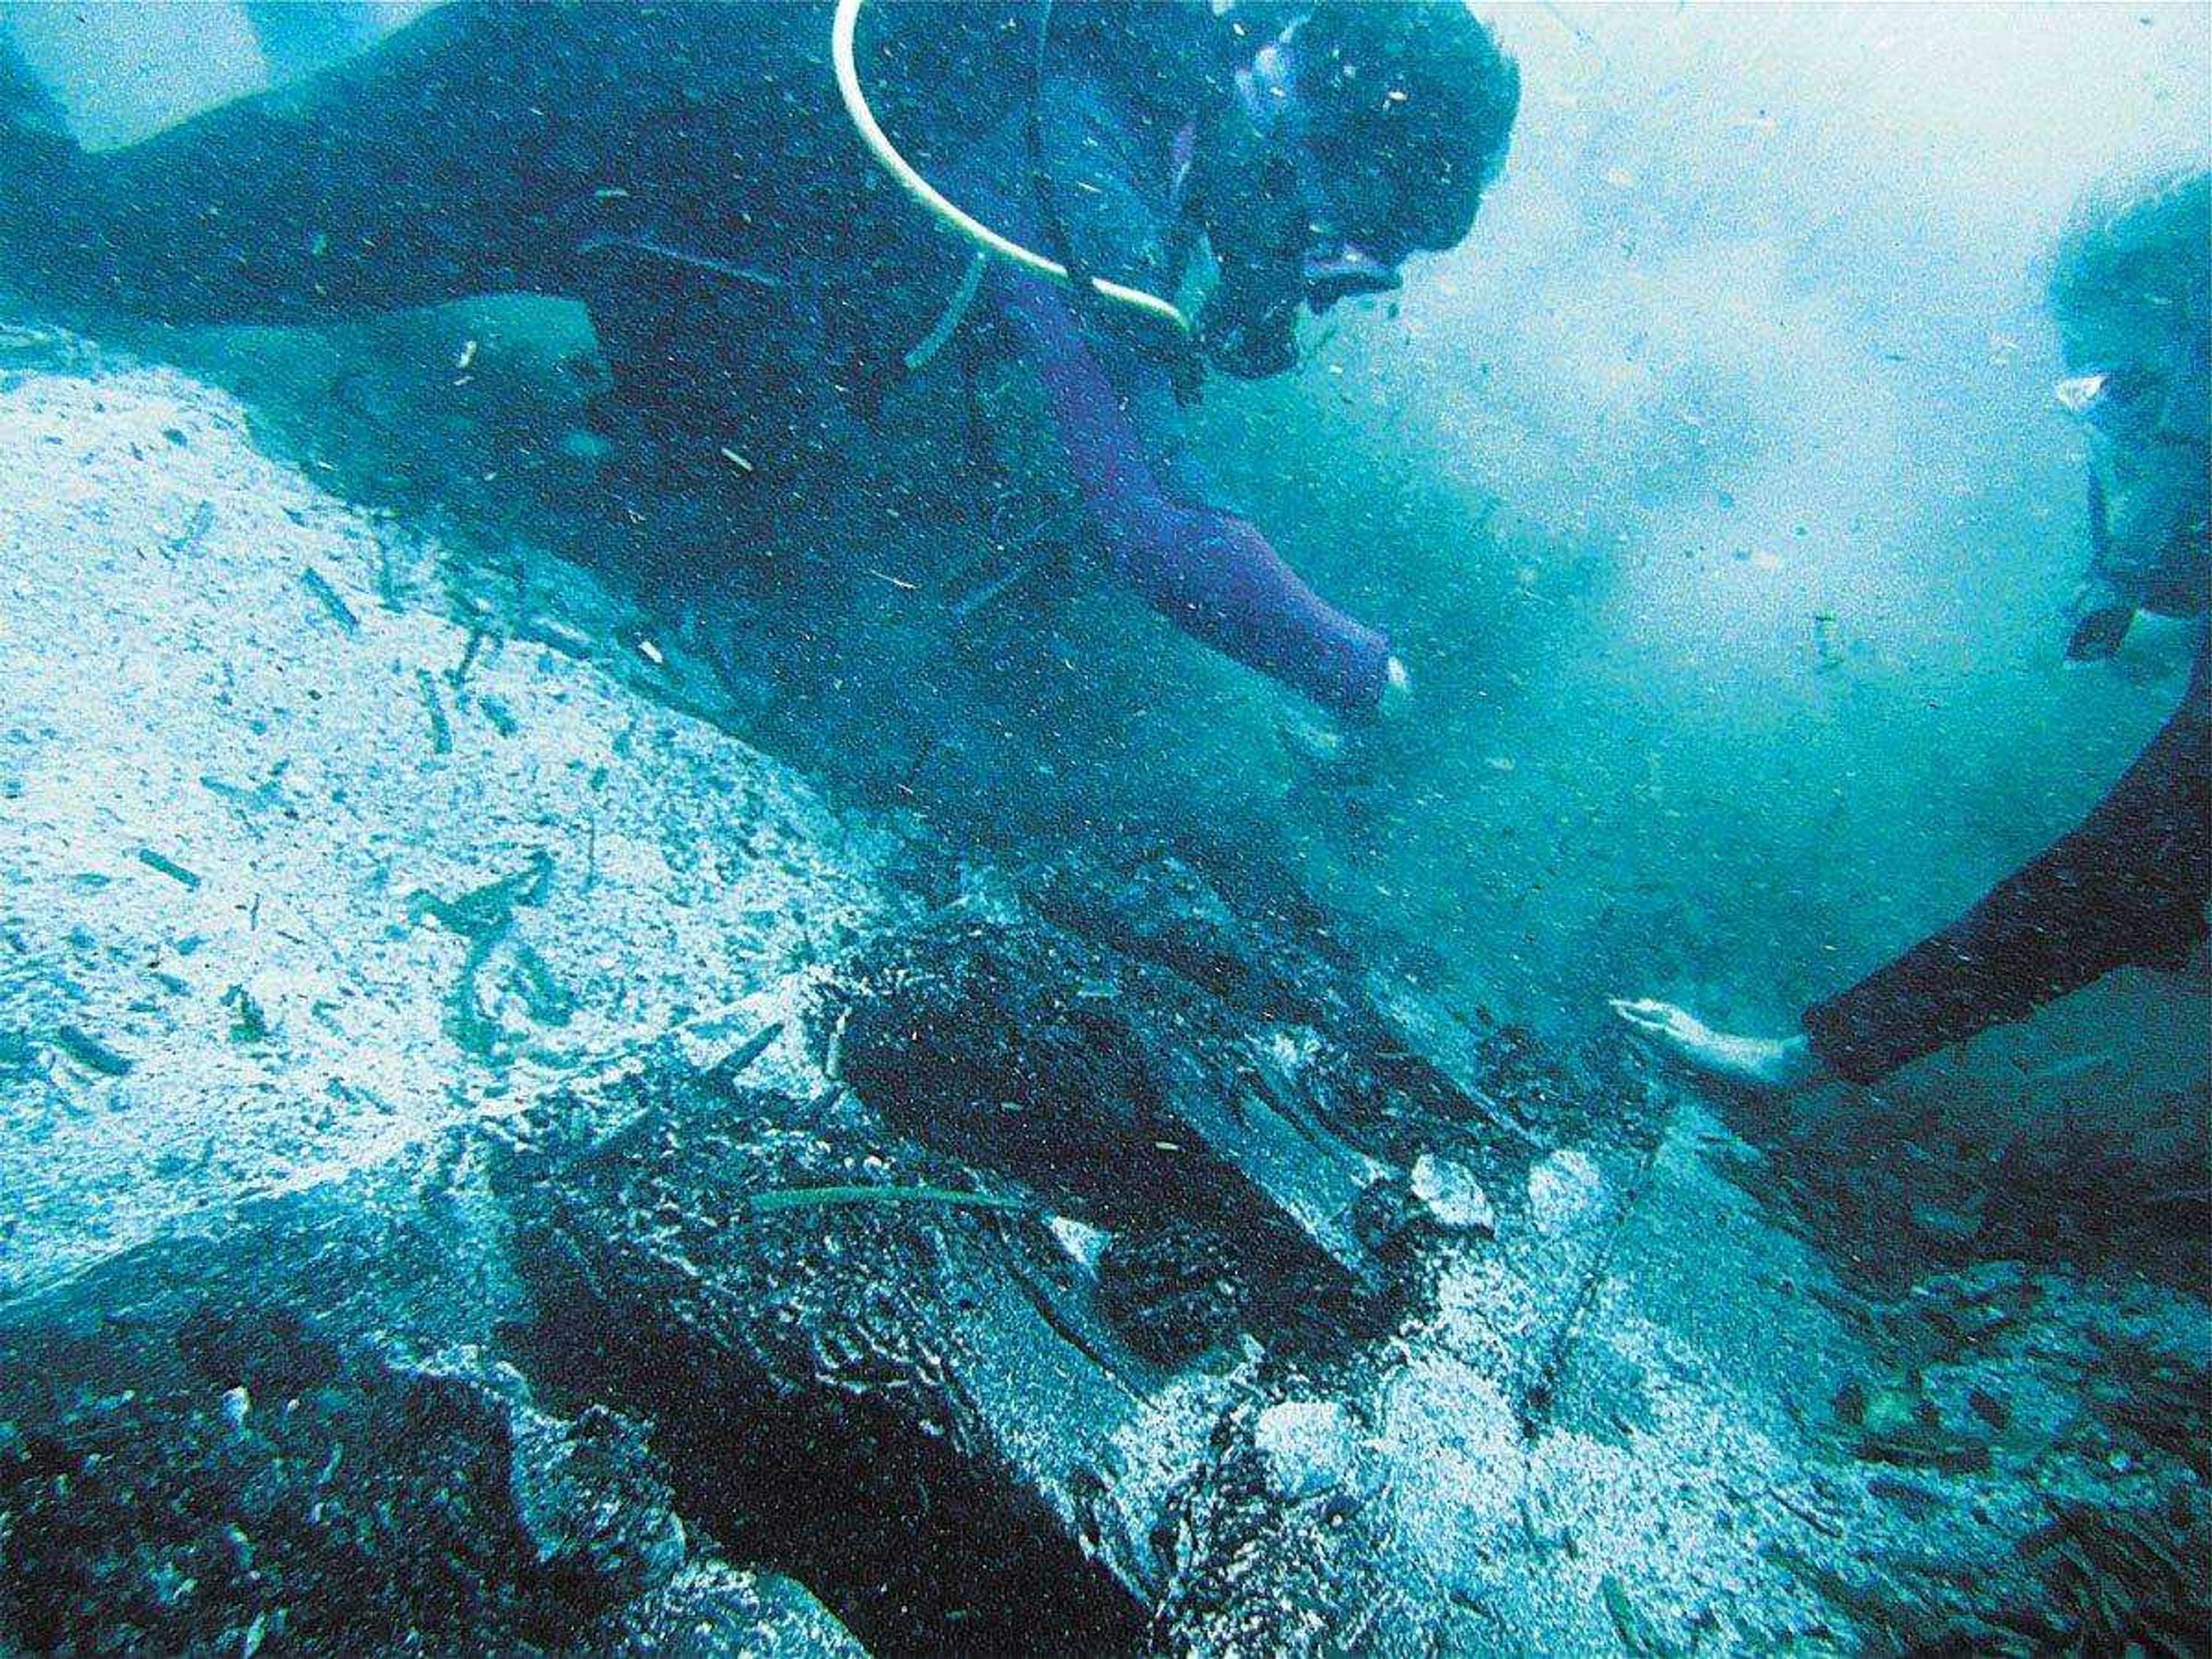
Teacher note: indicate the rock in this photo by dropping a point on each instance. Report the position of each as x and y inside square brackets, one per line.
[327, 1422]
[1171, 1292]
[711, 1609]
[587, 1497]
[1566, 1194]
[275, 756]
[401, 1505]
[1085, 1245]
[907, 1402]
[1119, 1094]
[1452, 1195]
[1948, 1224]
[1308, 1447]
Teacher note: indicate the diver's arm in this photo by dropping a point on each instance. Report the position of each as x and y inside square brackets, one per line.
[1210, 572]
[2128, 887]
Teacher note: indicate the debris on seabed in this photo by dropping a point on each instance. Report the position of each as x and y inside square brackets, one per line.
[89, 1052]
[189, 879]
[196, 528]
[726, 1070]
[329, 597]
[249, 1023]
[441, 729]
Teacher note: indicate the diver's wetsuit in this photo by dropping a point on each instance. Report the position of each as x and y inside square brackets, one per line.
[1110, 147]
[687, 172]
[2128, 886]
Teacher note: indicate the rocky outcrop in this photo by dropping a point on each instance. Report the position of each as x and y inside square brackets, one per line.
[312, 843]
[497, 1164]
[301, 1440]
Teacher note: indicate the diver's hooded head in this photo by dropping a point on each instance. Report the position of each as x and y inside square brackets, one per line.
[2131, 292]
[1352, 136]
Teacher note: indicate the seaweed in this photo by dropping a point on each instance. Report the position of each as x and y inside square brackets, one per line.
[330, 598]
[549, 631]
[175, 871]
[18, 1055]
[1895, 1423]
[542, 993]
[441, 729]
[88, 1051]
[501, 718]
[488, 911]
[456, 675]
[1957, 1181]
[2116, 1582]
[2130, 1581]
[264, 795]
[1638, 1636]
[249, 1023]
[1924, 1447]
[482, 917]
[196, 529]
[1879, 1606]
[472, 1032]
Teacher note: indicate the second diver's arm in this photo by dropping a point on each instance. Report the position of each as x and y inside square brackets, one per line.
[2128, 886]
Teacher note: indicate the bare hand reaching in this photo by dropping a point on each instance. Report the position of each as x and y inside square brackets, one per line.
[1767, 1065]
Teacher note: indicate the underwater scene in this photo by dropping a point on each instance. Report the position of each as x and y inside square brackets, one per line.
[1215, 827]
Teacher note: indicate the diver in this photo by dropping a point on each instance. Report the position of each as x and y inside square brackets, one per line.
[2131, 295]
[686, 173]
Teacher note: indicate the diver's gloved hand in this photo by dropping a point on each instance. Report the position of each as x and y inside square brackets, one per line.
[2100, 614]
[1759, 1065]
[1397, 704]
[1351, 754]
